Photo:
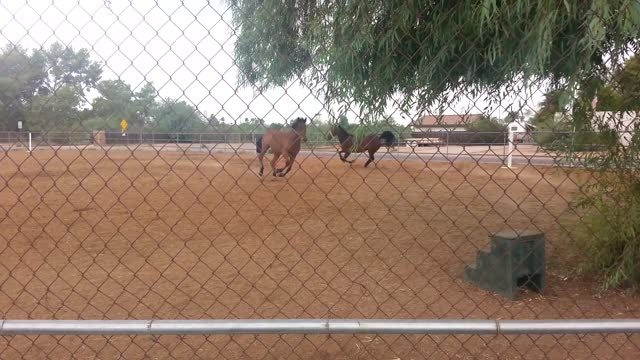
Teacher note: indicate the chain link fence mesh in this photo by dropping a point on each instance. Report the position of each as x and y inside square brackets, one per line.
[323, 347]
[167, 218]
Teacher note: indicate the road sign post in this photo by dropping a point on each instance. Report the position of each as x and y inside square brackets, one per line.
[123, 125]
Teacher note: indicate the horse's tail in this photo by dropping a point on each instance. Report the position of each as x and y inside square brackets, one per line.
[258, 143]
[388, 138]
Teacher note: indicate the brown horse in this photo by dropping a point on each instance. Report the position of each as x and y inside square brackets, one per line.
[282, 143]
[370, 143]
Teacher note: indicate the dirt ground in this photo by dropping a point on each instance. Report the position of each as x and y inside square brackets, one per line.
[140, 234]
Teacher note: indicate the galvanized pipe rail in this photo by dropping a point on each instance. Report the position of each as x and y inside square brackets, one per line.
[315, 326]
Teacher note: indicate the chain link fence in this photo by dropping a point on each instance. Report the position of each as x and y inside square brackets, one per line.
[163, 216]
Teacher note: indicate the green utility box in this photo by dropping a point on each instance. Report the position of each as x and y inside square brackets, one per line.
[514, 260]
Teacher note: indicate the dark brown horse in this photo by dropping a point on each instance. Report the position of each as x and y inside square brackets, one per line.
[282, 143]
[370, 143]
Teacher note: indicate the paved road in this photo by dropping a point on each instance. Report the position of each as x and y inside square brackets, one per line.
[426, 157]
[487, 158]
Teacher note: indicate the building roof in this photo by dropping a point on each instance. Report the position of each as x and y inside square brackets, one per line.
[447, 120]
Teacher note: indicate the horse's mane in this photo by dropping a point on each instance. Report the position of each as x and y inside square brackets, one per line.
[342, 131]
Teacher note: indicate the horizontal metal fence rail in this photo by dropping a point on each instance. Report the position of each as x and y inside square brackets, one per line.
[316, 326]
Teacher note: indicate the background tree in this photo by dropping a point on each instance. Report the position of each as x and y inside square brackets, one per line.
[45, 89]
[547, 109]
[68, 75]
[177, 117]
[67, 67]
[605, 237]
[368, 51]
[627, 83]
[486, 130]
[276, 126]
[56, 112]
[114, 103]
[21, 78]
[146, 104]
[617, 91]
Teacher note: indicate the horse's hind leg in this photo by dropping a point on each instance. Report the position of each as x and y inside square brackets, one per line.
[261, 158]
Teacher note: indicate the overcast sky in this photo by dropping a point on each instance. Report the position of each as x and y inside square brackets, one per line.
[184, 48]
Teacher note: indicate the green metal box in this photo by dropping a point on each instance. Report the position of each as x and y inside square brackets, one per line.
[514, 260]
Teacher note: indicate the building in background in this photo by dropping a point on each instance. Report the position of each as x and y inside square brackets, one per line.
[445, 122]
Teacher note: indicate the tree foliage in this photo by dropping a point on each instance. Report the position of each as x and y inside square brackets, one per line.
[627, 84]
[370, 50]
[21, 78]
[66, 67]
[486, 130]
[117, 101]
[488, 125]
[46, 87]
[174, 116]
[57, 111]
[606, 234]
[616, 91]
[427, 51]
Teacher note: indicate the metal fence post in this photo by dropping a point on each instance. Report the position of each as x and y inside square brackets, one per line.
[447, 145]
[509, 156]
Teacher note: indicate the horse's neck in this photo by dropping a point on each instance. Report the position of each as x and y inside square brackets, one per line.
[297, 138]
[343, 134]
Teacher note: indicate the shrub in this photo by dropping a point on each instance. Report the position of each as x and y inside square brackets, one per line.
[568, 141]
[608, 233]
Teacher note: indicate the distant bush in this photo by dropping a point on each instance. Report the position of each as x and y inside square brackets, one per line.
[567, 141]
[483, 131]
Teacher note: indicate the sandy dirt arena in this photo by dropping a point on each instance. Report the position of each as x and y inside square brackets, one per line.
[89, 234]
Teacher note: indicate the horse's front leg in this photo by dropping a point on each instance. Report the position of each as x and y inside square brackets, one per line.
[279, 171]
[346, 155]
[288, 166]
[370, 160]
[274, 162]
[340, 152]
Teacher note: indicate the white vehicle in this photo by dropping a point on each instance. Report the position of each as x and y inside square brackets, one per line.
[415, 142]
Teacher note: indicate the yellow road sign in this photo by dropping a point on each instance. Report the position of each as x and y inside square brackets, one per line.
[124, 124]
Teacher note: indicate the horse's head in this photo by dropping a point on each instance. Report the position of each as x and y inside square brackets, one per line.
[299, 125]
